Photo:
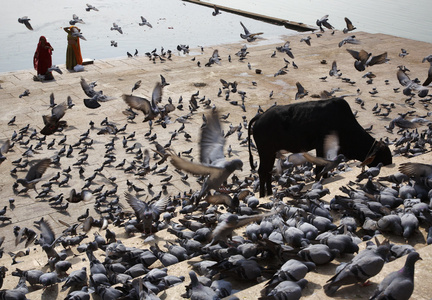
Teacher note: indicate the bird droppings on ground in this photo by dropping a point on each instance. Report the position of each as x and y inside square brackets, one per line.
[116, 208]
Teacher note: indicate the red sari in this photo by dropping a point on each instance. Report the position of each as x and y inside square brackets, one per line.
[42, 57]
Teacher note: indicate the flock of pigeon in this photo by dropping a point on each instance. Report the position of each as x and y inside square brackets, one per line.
[285, 236]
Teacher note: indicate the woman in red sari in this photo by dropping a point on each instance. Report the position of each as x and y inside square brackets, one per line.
[73, 53]
[42, 59]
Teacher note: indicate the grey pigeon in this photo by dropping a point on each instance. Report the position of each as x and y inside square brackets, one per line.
[349, 26]
[292, 270]
[349, 40]
[416, 170]
[48, 240]
[250, 37]
[365, 59]
[213, 163]
[398, 284]
[144, 22]
[324, 22]
[197, 291]
[116, 27]
[90, 7]
[334, 70]
[319, 254]
[147, 213]
[363, 266]
[286, 48]
[410, 85]
[225, 228]
[48, 279]
[216, 11]
[25, 20]
[77, 278]
[150, 108]
[301, 92]
[34, 175]
[287, 290]
[371, 172]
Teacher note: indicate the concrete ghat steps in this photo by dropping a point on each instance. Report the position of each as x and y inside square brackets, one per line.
[245, 290]
[117, 76]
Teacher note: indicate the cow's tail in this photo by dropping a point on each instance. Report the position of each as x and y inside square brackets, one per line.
[253, 120]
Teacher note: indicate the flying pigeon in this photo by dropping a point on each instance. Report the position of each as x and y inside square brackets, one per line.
[212, 159]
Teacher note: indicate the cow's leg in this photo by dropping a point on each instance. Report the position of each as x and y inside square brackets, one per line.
[319, 153]
[264, 171]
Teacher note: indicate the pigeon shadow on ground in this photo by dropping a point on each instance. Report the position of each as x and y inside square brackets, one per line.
[50, 292]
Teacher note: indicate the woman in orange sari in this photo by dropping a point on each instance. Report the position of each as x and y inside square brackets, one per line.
[73, 53]
[42, 59]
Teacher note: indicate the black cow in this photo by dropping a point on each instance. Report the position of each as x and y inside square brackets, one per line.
[301, 127]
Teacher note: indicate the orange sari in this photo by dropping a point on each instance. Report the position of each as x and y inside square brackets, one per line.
[73, 53]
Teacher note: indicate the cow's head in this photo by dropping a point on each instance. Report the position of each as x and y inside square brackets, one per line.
[382, 154]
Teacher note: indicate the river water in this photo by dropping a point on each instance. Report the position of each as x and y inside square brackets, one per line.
[177, 22]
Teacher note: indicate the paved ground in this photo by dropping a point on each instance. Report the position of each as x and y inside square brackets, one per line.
[117, 77]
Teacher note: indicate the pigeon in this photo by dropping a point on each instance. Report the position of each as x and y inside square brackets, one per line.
[410, 85]
[147, 213]
[76, 32]
[48, 240]
[287, 290]
[91, 7]
[25, 93]
[213, 164]
[216, 11]
[197, 291]
[150, 109]
[4, 149]
[25, 20]
[349, 40]
[75, 197]
[306, 40]
[215, 58]
[349, 26]
[364, 59]
[363, 266]
[324, 22]
[76, 279]
[34, 175]
[52, 122]
[429, 78]
[301, 92]
[116, 27]
[398, 284]
[95, 97]
[286, 48]
[225, 228]
[163, 81]
[136, 85]
[250, 37]
[292, 270]
[144, 22]
[76, 19]
[55, 68]
[371, 172]
[416, 170]
[334, 70]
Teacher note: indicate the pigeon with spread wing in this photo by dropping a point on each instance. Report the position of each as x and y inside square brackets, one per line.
[411, 85]
[365, 59]
[150, 108]
[52, 122]
[147, 212]
[213, 164]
